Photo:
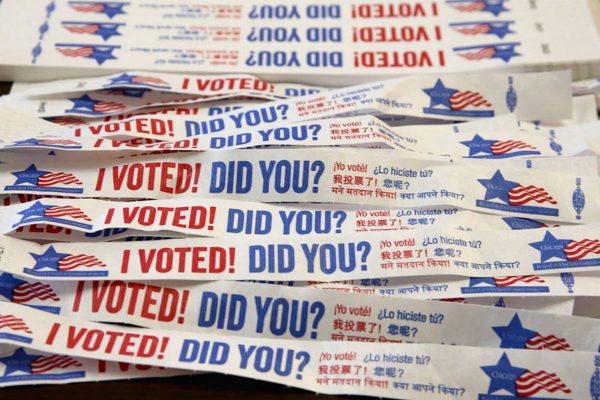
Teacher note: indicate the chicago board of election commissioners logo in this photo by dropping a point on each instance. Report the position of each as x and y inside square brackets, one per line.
[501, 51]
[566, 253]
[33, 179]
[53, 263]
[492, 148]
[138, 80]
[39, 295]
[494, 7]
[48, 142]
[506, 284]
[109, 8]
[496, 28]
[89, 106]
[22, 366]
[48, 213]
[512, 196]
[454, 102]
[98, 53]
[509, 381]
[102, 29]
[515, 336]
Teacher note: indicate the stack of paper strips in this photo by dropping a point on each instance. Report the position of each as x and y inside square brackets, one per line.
[397, 199]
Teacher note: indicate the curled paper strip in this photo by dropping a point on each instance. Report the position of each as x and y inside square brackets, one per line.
[375, 177]
[419, 252]
[21, 366]
[459, 287]
[269, 311]
[497, 143]
[329, 43]
[61, 219]
[205, 85]
[327, 367]
[112, 99]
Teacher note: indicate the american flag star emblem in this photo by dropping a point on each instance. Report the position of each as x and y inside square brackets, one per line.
[102, 29]
[108, 8]
[39, 210]
[495, 7]
[497, 28]
[54, 142]
[53, 260]
[574, 251]
[36, 366]
[502, 51]
[450, 101]
[514, 193]
[520, 382]
[40, 178]
[516, 336]
[90, 106]
[99, 53]
[126, 79]
[13, 323]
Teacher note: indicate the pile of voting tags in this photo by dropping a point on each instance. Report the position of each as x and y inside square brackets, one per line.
[410, 235]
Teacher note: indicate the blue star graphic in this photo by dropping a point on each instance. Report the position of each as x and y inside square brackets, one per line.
[497, 187]
[29, 175]
[503, 375]
[7, 284]
[496, 7]
[101, 55]
[551, 247]
[505, 53]
[479, 145]
[513, 335]
[49, 259]
[106, 31]
[500, 303]
[18, 361]
[439, 94]
[37, 209]
[84, 103]
[123, 79]
[112, 9]
[476, 281]
[500, 29]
